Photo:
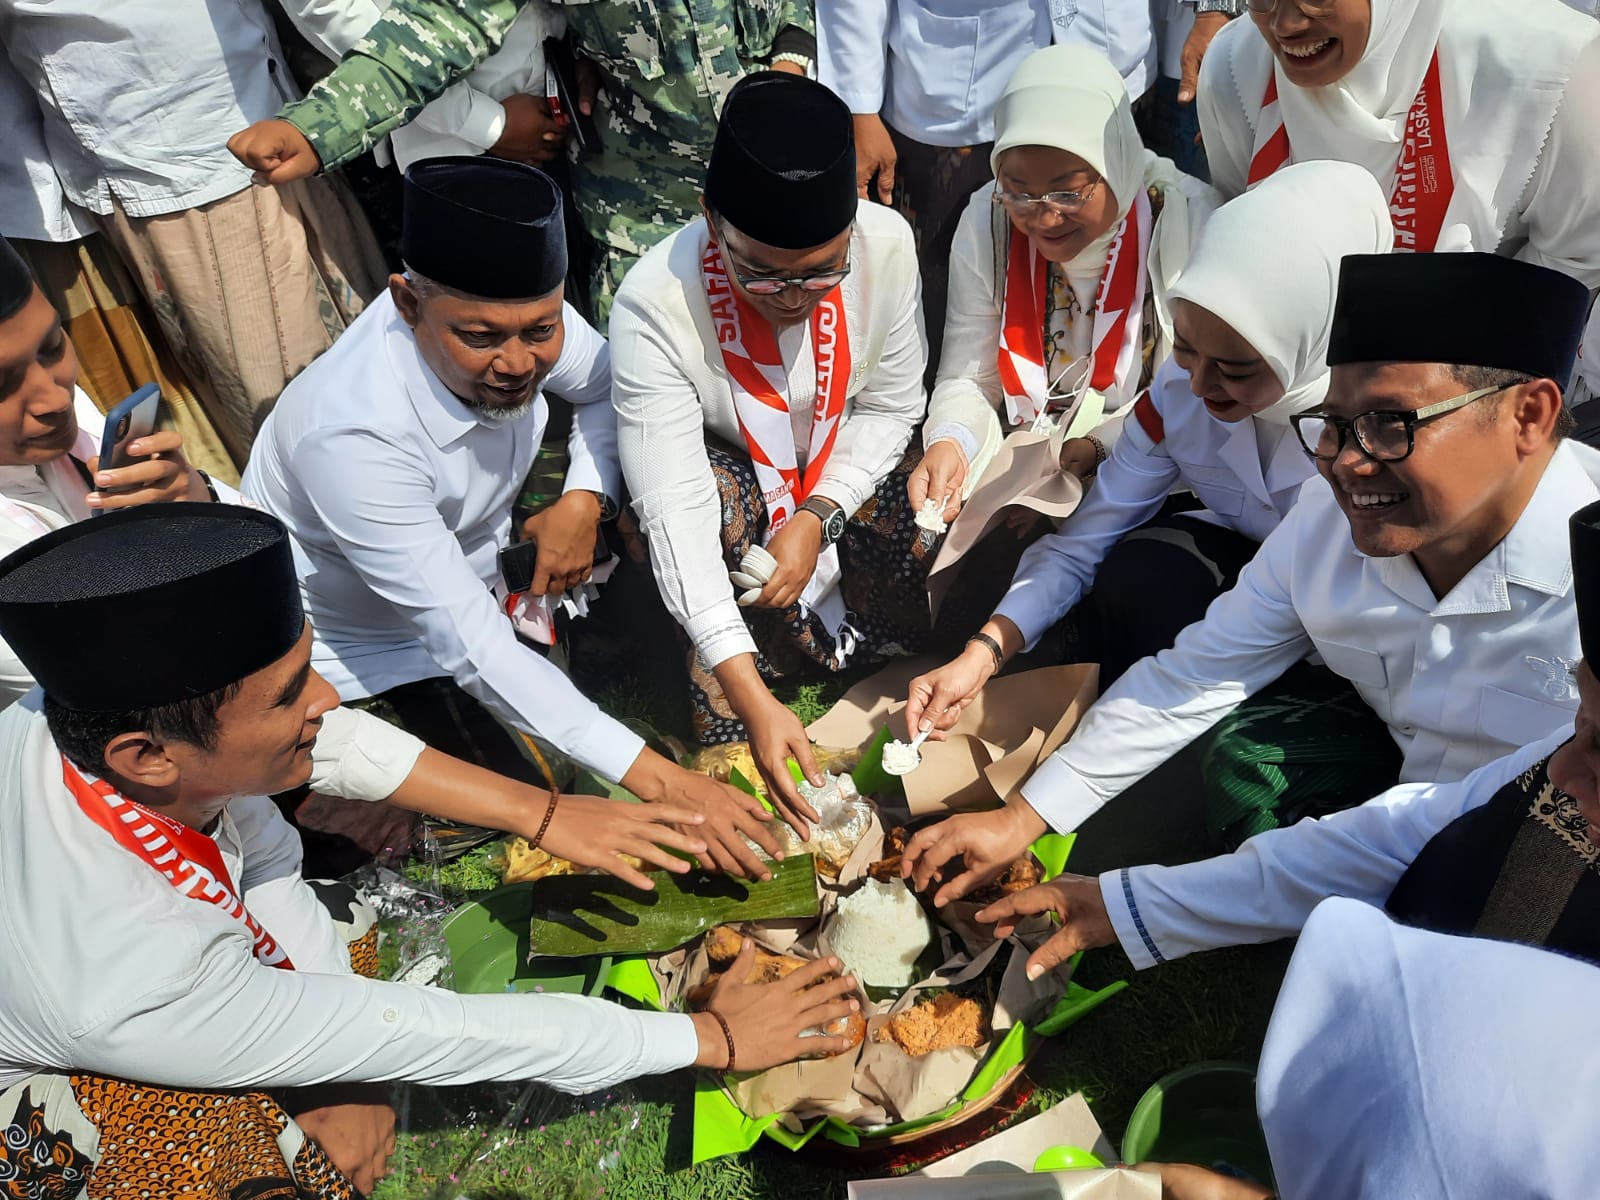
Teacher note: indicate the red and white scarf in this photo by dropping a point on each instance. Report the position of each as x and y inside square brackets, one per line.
[1117, 353]
[184, 857]
[1423, 180]
[759, 385]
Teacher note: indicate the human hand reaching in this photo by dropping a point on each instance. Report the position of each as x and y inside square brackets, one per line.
[768, 1022]
[986, 843]
[1074, 900]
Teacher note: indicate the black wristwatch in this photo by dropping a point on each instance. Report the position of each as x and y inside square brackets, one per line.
[831, 516]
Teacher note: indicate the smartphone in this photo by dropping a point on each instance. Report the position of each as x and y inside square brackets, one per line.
[517, 562]
[561, 88]
[129, 421]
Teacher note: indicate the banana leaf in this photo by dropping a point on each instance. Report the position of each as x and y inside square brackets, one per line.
[577, 915]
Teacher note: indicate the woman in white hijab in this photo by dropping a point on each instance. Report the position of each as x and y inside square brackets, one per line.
[1477, 118]
[1250, 340]
[1058, 274]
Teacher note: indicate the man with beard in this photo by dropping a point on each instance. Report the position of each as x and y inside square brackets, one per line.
[394, 460]
[1428, 567]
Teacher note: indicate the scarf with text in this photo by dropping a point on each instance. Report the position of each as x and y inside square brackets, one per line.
[1118, 316]
[759, 383]
[186, 858]
[1423, 183]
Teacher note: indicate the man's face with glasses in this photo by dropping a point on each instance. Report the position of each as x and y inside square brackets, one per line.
[1317, 42]
[1421, 464]
[784, 286]
[1055, 198]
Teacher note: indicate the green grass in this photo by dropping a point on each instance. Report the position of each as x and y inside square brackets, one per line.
[633, 1142]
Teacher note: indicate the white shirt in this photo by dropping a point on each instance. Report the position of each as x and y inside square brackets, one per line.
[1267, 888]
[1219, 462]
[32, 204]
[398, 498]
[672, 390]
[140, 97]
[467, 117]
[1406, 1063]
[1460, 680]
[934, 68]
[111, 970]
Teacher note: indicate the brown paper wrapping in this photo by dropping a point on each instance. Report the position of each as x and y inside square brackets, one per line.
[1025, 475]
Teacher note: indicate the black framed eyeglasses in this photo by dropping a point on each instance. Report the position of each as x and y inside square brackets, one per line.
[1383, 435]
[1022, 204]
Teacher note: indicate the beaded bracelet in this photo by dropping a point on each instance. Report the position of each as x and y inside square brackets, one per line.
[727, 1033]
[544, 825]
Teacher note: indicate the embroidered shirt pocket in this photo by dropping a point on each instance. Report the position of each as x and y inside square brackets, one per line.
[1519, 720]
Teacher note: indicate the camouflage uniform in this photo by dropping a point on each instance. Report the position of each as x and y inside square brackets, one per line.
[670, 63]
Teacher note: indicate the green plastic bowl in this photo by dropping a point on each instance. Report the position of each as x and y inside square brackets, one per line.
[488, 941]
[1204, 1114]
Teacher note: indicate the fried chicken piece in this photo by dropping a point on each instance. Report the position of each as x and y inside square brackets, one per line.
[722, 947]
[894, 848]
[946, 1020]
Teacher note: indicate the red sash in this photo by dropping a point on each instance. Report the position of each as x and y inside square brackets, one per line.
[757, 379]
[1118, 313]
[185, 857]
[1423, 184]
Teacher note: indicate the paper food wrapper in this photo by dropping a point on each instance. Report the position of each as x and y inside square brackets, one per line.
[1014, 1150]
[1016, 722]
[909, 1087]
[1025, 475]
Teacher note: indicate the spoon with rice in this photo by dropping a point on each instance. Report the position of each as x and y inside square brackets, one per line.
[902, 758]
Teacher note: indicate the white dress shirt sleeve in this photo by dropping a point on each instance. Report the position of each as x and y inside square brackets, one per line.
[1562, 231]
[852, 42]
[1057, 569]
[886, 411]
[582, 377]
[461, 112]
[663, 447]
[275, 892]
[1248, 637]
[386, 523]
[332, 26]
[1225, 126]
[1267, 888]
[966, 392]
[361, 757]
[246, 1025]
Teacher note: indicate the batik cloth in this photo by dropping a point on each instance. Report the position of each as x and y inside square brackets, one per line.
[884, 559]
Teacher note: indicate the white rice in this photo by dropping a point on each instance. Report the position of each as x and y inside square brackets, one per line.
[931, 516]
[879, 932]
[901, 758]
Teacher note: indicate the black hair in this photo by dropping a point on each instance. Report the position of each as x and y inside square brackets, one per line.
[1473, 378]
[82, 736]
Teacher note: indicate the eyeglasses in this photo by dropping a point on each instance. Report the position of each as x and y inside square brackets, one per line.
[1382, 435]
[1315, 9]
[770, 285]
[1021, 204]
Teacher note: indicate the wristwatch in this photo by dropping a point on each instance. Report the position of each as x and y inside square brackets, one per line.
[831, 516]
[1228, 8]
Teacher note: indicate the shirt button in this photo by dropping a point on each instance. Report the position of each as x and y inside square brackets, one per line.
[391, 1015]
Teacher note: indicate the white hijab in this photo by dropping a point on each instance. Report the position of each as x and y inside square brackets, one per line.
[1268, 265]
[1362, 118]
[1071, 98]
[1504, 66]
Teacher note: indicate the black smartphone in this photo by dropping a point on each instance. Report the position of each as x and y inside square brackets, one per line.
[561, 89]
[518, 560]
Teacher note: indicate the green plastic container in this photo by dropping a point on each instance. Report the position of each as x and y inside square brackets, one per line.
[1204, 1114]
[488, 942]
